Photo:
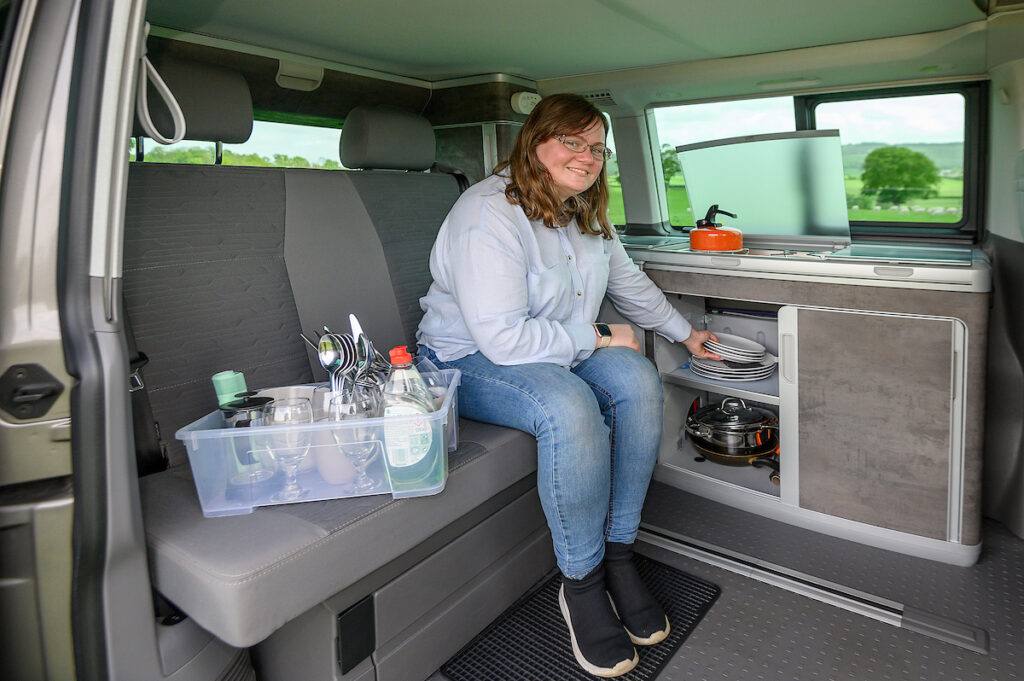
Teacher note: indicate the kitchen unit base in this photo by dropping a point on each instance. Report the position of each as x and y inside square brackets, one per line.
[753, 501]
[874, 406]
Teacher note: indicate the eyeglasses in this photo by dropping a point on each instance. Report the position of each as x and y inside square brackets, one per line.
[578, 145]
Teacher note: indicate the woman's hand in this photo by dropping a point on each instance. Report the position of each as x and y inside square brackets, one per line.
[623, 337]
[695, 344]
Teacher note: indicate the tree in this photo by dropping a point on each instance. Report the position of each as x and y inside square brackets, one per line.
[897, 174]
[669, 163]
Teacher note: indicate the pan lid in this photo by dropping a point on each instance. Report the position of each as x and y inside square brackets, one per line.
[733, 414]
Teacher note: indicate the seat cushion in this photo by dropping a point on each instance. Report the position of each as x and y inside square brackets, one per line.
[243, 577]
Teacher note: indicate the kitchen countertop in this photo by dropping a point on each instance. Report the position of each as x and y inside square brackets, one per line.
[935, 267]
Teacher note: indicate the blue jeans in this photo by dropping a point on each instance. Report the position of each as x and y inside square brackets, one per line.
[598, 428]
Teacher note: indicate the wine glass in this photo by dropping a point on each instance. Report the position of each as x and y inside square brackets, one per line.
[289, 446]
[356, 401]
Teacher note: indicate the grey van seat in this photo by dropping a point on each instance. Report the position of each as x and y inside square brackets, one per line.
[216, 254]
[243, 577]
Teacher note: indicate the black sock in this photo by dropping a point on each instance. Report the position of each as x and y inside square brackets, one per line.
[640, 614]
[599, 635]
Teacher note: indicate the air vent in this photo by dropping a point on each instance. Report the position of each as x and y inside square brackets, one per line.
[600, 98]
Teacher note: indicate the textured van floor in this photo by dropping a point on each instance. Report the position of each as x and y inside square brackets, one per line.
[756, 631]
[759, 632]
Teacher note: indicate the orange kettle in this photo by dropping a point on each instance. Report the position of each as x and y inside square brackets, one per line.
[709, 235]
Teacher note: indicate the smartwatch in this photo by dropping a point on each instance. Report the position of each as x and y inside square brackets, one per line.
[605, 334]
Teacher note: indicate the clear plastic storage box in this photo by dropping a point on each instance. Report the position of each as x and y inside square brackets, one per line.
[237, 469]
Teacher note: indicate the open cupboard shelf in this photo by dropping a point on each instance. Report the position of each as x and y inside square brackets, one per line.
[688, 458]
[765, 390]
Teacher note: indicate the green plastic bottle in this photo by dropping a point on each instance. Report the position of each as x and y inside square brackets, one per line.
[412, 447]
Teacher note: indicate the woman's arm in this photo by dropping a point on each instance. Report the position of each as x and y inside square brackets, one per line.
[641, 301]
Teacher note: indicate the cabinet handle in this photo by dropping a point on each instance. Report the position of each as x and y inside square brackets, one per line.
[788, 357]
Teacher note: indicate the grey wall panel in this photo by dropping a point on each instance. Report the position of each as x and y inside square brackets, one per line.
[479, 103]
[462, 148]
[875, 393]
[506, 139]
[338, 93]
[1004, 428]
[971, 308]
[336, 263]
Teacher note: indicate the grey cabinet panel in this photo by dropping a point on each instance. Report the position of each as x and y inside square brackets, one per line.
[875, 396]
[971, 308]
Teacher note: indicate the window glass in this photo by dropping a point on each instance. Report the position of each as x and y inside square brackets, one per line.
[184, 151]
[285, 145]
[616, 209]
[278, 145]
[903, 157]
[691, 123]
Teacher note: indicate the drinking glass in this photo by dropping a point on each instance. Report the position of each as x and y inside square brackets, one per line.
[432, 378]
[289, 447]
[357, 443]
[321, 402]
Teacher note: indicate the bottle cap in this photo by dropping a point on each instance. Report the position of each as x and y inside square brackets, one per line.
[400, 355]
[228, 384]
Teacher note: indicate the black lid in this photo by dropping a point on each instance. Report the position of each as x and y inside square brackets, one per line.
[247, 403]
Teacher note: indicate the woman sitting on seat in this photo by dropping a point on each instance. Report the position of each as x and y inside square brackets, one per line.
[520, 267]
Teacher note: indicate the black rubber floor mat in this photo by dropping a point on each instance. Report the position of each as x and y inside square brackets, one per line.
[530, 641]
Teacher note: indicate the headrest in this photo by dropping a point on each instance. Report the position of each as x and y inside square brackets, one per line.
[386, 138]
[215, 101]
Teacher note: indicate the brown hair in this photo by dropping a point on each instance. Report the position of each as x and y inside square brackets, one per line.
[530, 185]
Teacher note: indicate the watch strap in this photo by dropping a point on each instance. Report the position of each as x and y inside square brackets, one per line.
[605, 333]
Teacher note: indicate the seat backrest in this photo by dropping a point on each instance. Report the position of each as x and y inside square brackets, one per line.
[407, 208]
[224, 266]
[205, 283]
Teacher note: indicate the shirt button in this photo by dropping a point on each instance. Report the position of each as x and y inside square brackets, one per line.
[570, 257]
[579, 293]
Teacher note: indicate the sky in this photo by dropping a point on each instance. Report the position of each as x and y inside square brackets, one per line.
[313, 144]
[896, 120]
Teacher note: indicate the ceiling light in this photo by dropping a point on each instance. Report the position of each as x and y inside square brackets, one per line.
[788, 83]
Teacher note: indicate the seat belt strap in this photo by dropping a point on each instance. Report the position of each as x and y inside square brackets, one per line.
[150, 454]
[459, 176]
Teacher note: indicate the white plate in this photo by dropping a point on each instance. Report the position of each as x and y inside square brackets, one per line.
[739, 343]
[738, 358]
[750, 356]
[714, 364]
[729, 380]
[728, 348]
[716, 377]
[735, 374]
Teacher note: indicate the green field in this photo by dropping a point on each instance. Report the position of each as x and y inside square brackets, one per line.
[949, 201]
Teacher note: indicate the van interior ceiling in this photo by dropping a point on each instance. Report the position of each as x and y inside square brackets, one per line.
[869, 526]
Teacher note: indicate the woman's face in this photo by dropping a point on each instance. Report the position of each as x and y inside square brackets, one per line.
[572, 172]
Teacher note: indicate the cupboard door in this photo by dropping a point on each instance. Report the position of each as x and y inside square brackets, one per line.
[874, 429]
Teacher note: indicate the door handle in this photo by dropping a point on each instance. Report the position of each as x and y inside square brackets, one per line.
[788, 357]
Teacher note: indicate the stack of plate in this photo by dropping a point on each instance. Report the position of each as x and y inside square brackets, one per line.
[742, 360]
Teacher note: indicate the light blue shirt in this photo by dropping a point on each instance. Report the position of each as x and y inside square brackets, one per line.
[521, 292]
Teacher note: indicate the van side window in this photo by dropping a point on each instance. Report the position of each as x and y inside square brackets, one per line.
[911, 157]
[286, 145]
[616, 209]
[690, 123]
[272, 144]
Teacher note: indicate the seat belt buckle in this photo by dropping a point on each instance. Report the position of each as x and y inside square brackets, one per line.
[135, 382]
